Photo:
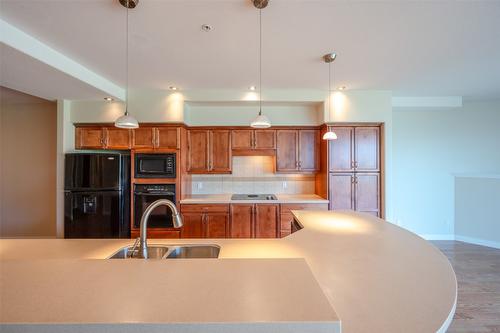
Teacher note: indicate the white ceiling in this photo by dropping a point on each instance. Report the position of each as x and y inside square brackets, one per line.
[415, 48]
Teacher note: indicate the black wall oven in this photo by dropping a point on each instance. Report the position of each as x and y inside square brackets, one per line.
[145, 195]
[155, 165]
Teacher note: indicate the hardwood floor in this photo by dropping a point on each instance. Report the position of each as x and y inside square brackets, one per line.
[478, 275]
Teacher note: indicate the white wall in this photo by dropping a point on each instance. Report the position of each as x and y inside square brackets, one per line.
[431, 146]
[476, 209]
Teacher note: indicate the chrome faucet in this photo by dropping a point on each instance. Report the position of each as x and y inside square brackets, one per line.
[143, 241]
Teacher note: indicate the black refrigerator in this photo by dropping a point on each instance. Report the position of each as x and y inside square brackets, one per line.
[97, 195]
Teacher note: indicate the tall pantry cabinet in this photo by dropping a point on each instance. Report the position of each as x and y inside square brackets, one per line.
[355, 170]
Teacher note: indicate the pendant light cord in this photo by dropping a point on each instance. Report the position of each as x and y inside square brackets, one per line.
[260, 62]
[126, 63]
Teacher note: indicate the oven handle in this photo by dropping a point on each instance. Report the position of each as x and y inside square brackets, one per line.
[154, 193]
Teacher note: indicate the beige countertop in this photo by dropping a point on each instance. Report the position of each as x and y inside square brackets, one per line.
[226, 199]
[376, 277]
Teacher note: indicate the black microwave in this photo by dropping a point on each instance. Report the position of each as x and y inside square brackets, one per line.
[155, 166]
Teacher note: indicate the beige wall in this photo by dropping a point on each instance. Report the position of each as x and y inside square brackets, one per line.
[27, 165]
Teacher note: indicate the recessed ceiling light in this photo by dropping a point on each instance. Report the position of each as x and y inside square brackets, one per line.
[108, 99]
[342, 88]
[252, 88]
[173, 88]
[207, 27]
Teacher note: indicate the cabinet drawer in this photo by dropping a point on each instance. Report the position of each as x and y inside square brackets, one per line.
[199, 208]
[287, 208]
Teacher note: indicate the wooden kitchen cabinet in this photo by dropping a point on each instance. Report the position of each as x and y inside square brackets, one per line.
[254, 221]
[143, 137]
[220, 157]
[118, 138]
[89, 138]
[266, 221]
[241, 221]
[367, 193]
[297, 150]
[366, 149]
[102, 138]
[193, 224]
[287, 155]
[341, 191]
[205, 221]
[209, 151]
[355, 191]
[253, 139]
[167, 137]
[156, 137]
[341, 150]
[355, 149]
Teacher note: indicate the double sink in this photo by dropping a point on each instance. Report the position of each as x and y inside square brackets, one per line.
[170, 252]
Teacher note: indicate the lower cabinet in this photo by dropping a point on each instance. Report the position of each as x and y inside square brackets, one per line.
[254, 221]
[205, 221]
[356, 191]
[286, 216]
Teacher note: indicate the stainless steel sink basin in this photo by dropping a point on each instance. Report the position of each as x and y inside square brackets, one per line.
[194, 251]
[154, 252]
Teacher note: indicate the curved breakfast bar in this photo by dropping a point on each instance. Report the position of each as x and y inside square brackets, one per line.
[357, 272]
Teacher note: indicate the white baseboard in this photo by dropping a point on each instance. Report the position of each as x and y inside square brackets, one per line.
[438, 236]
[477, 241]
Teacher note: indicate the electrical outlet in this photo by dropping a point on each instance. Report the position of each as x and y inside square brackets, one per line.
[285, 185]
[200, 185]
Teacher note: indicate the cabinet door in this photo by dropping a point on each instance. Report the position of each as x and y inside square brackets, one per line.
[308, 150]
[193, 225]
[341, 191]
[198, 151]
[366, 148]
[341, 150]
[286, 220]
[241, 221]
[143, 137]
[264, 139]
[368, 193]
[216, 225]
[167, 137]
[287, 150]
[118, 138]
[220, 151]
[266, 221]
[242, 139]
[89, 138]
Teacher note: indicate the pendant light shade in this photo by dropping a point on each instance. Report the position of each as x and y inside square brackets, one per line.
[329, 58]
[260, 121]
[126, 121]
[330, 135]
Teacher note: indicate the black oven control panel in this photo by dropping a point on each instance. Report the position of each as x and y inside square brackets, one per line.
[168, 189]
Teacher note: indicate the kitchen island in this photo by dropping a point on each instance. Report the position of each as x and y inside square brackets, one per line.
[343, 270]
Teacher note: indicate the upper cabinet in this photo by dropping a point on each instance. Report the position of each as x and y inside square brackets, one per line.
[156, 138]
[209, 151]
[356, 149]
[297, 150]
[102, 138]
[248, 139]
[144, 137]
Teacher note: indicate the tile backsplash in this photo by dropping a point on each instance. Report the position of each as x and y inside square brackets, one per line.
[253, 175]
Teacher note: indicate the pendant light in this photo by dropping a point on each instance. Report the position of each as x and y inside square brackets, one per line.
[261, 121]
[329, 58]
[127, 121]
